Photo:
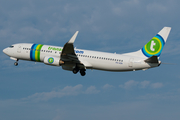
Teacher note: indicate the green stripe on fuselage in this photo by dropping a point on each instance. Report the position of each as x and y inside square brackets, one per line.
[38, 54]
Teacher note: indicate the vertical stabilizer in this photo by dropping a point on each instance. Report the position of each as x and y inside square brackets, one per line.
[155, 46]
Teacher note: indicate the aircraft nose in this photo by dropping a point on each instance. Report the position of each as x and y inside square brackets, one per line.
[5, 51]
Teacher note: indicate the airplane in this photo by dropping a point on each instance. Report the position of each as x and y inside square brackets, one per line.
[78, 60]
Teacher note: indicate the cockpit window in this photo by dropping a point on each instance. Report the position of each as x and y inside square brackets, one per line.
[11, 46]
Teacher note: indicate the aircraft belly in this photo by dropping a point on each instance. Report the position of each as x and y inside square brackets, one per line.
[118, 66]
[109, 66]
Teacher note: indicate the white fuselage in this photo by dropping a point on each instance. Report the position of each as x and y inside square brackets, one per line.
[91, 59]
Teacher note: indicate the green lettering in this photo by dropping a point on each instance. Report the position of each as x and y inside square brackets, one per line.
[55, 49]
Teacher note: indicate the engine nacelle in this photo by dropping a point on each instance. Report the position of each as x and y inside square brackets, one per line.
[54, 61]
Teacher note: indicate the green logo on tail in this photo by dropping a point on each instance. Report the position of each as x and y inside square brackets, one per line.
[154, 46]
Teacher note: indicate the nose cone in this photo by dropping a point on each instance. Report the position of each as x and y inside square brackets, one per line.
[5, 51]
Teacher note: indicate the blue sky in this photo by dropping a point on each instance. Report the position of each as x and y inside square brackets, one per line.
[37, 91]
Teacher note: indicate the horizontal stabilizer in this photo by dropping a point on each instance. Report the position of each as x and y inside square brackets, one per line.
[152, 59]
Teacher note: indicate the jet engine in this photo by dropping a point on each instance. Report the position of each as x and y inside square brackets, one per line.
[54, 61]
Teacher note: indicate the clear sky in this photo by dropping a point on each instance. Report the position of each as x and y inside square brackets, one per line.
[34, 91]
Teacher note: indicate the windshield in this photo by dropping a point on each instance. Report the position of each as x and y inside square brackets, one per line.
[11, 46]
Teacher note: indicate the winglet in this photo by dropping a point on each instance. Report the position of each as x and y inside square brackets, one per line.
[71, 41]
[69, 47]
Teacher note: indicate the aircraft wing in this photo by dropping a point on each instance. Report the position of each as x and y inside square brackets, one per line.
[69, 47]
[68, 55]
